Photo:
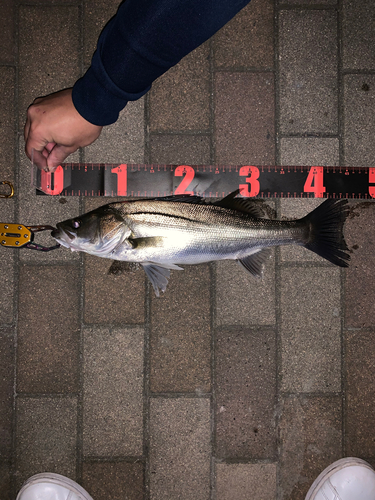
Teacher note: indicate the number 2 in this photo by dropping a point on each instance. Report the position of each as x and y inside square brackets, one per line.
[189, 176]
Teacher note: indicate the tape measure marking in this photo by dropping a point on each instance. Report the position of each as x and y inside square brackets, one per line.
[142, 180]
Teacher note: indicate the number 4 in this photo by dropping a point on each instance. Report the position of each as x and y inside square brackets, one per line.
[314, 182]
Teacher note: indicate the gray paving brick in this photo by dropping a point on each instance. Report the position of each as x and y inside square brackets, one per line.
[35, 210]
[309, 151]
[179, 100]
[114, 480]
[39, 73]
[308, 71]
[48, 337]
[109, 298]
[238, 481]
[244, 118]
[6, 392]
[359, 94]
[7, 29]
[310, 440]
[308, 2]
[180, 149]
[112, 391]
[234, 286]
[247, 40]
[7, 129]
[359, 283]
[180, 338]
[122, 142]
[179, 448]
[96, 15]
[310, 330]
[360, 393]
[358, 34]
[46, 436]
[7, 257]
[245, 392]
[5, 480]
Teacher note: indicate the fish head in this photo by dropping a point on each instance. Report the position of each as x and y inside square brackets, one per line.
[97, 232]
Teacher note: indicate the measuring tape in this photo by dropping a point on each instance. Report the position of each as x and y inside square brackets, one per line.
[141, 180]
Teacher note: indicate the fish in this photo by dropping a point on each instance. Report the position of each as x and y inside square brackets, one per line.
[163, 234]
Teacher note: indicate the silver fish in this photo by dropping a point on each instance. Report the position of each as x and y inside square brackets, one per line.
[164, 233]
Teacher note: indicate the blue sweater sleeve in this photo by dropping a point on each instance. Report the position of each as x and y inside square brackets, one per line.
[141, 42]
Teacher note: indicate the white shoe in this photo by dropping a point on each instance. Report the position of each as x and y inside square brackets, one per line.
[346, 479]
[49, 486]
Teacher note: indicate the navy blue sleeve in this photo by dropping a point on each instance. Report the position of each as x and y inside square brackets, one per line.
[141, 42]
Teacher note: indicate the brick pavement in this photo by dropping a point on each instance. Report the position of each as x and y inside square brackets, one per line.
[225, 387]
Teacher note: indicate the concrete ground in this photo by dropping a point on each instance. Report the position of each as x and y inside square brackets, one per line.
[226, 387]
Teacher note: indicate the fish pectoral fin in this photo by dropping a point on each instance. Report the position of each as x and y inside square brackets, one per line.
[254, 263]
[159, 275]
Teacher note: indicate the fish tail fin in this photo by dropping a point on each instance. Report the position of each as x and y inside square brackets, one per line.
[326, 236]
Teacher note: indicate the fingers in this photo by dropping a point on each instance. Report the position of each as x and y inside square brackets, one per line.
[57, 156]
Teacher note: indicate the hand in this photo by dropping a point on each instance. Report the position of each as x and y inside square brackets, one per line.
[55, 129]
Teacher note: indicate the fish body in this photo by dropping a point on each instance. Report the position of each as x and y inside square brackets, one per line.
[166, 233]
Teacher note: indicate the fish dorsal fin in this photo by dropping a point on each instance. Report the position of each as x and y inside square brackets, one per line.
[254, 263]
[250, 207]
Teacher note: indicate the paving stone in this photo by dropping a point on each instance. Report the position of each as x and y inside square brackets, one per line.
[96, 15]
[234, 286]
[43, 210]
[323, 151]
[46, 437]
[7, 30]
[247, 40]
[308, 71]
[122, 142]
[180, 337]
[5, 480]
[245, 392]
[359, 283]
[310, 440]
[112, 391]
[48, 336]
[180, 99]
[238, 481]
[244, 118]
[178, 149]
[359, 96]
[310, 330]
[109, 298]
[7, 124]
[6, 392]
[358, 34]
[7, 257]
[180, 449]
[39, 73]
[360, 393]
[113, 480]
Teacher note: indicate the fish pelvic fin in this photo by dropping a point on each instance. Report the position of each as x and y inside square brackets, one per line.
[159, 275]
[325, 236]
[254, 263]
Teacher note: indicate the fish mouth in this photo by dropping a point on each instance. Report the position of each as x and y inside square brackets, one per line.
[63, 236]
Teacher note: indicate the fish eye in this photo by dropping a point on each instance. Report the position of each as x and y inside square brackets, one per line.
[76, 224]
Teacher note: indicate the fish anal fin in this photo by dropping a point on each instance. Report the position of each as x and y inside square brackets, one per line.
[254, 263]
[158, 275]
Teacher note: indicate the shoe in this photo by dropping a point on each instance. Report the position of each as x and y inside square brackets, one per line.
[49, 486]
[346, 479]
